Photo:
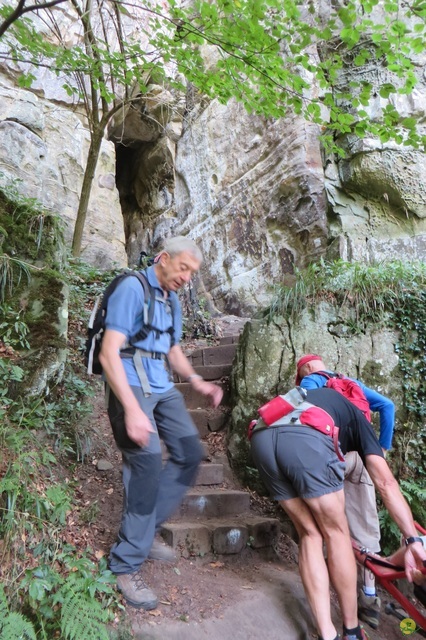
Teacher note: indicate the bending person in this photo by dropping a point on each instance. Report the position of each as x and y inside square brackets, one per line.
[360, 495]
[301, 468]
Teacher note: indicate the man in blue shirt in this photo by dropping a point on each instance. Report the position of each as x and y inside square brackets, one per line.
[360, 496]
[144, 406]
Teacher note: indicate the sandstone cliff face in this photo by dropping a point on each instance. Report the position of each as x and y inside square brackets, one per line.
[257, 195]
[265, 365]
[250, 192]
[260, 200]
[377, 194]
[43, 149]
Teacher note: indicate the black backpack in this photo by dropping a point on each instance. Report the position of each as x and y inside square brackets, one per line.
[96, 326]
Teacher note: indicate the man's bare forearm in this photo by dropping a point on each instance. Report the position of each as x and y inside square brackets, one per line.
[390, 492]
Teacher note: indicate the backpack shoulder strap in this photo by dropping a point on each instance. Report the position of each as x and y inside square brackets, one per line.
[148, 307]
[174, 306]
[148, 297]
[112, 287]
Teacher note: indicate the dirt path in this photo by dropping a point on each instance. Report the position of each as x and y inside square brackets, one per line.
[237, 597]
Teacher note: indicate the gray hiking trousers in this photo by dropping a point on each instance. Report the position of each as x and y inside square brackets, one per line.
[152, 492]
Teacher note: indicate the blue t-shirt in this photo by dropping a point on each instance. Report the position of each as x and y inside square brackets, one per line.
[124, 314]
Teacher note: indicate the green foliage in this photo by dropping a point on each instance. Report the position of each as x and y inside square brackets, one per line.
[81, 594]
[29, 502]
[13, 330]
[197, 319]
[9, 372]
[13, 626]
[371, 291]
[409, 318]
[66, 595]
[260, 53]
[85, 284]
[390, 534]
[82, 617]
[12, 270]
[29, 234]
[415, 494]
[37, 233]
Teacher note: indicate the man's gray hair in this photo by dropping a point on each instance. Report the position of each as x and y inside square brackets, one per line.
[179, 244]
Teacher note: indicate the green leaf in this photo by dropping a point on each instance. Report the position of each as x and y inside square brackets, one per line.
[386, 90]
[25, 80]
[409, 123]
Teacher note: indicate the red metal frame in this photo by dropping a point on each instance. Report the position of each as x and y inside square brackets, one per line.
[386, 576]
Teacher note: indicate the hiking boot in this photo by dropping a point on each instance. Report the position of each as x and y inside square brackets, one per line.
[135, 591]
[369, 609]
[360, 635]
[162, 551]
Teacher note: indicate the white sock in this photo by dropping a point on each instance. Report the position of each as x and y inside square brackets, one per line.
[370, 592]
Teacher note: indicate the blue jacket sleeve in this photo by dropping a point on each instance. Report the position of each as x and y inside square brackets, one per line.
[313, 381]
[386, 409]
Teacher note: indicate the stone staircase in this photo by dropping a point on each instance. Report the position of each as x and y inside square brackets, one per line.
[215, 519]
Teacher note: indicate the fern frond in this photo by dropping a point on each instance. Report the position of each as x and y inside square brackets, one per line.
[16, 627]
[410, 489]
[4, 609]
[82, 618]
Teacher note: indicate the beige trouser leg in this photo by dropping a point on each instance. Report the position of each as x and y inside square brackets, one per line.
[361, 509]
[360, 501]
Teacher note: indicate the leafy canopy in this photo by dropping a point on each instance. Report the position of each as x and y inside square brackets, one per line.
[273, 57]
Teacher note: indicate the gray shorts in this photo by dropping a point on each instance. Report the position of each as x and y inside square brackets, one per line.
[297, 462]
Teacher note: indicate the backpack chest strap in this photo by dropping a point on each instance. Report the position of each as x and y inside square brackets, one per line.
[136, 355]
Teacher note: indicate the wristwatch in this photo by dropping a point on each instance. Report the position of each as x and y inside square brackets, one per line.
[413, 539]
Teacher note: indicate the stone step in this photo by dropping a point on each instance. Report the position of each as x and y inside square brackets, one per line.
[195, 400]
[223, 354]
[210, 372]
[221, 535]
[209, 473]
[208, 420]
[229, 339]
[213, 503]
[204, 446]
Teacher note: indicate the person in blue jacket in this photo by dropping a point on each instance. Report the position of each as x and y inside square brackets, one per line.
[360, 495]
[309, 376]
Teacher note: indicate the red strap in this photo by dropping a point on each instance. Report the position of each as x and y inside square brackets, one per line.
[337, 449]
[319, 419]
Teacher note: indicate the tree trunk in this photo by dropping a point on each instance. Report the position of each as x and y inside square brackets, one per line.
[86, 188]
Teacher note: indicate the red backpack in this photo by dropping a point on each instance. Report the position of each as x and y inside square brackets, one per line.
[348, 388]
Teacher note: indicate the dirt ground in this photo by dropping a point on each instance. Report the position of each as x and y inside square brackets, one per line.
[195, 591]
